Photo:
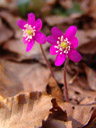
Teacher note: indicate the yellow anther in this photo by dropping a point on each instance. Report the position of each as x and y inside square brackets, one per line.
[29, 32]
[64, 44]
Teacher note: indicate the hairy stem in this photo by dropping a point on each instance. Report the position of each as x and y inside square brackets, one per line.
[48, 64]
[65, 82]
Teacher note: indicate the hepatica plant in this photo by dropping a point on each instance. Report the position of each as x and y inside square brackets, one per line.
[63, 45]
[31, 33]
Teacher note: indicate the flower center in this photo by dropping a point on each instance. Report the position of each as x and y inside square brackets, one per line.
[64, 44]
[28, 32]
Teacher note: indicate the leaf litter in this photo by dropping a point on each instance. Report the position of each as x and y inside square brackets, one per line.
[25, 77]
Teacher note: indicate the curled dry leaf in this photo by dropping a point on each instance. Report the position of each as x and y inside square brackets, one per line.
[25, 110]
[57, 118]
[17, 45]
[5, 33]
[11, 22]
[79, 114]
[54, 89]
[91, 77]
[52, 123]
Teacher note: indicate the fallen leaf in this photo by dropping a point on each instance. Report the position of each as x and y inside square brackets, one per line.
[79, 114]
[5, 33]
[16, 77]
[67, 4]
[57, 118]
[54, 89]
[57, 124]
[25, 110]
[91, 77]
[9, 4]
[56, 20]
[89, 47]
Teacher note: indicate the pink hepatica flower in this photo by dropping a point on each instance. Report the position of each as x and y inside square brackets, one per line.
[31, 31]
[64, 45]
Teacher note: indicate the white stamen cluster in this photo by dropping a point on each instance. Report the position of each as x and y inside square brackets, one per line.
[60, 48]
[25, 33]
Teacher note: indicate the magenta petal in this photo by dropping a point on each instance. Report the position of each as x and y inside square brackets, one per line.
[53, 50]
[52, 40]
[31, 19]
[70, 32]
[30, 45]
[74, 42]
[38, 24]
[60, 58]
[56, 32]
[74, 55]
[24, 40]
[21, 23]
[40, 38]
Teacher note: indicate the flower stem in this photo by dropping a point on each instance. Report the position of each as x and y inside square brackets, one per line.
[65, 82]
[48, 64]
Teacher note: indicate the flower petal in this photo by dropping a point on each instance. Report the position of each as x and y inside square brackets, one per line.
[74, 55]
[38, 24]
[70, 32]
[60, 59]
[74, 42]
[52, 40]
[56, 32]
[30, 45]
[25, 41]
[31, 19]
[53, 50]
[40, 38]
[21, 23]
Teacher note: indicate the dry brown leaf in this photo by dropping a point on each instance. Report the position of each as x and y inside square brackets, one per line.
[25, 110]
[92, 9]
[91, 125]
[91, 77]
[50, 2]
[54, 89]
[9, 83]
[67, 4]
[57, 118]
[5, 33]
[79, 114]
[78, 94]
[56, 20]
[12, 22]
[16, 77]
[83, 39]
[92, 122]
[52, 123]
[10, 4]
[89, 47]
[17, 45]
[91, 33]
